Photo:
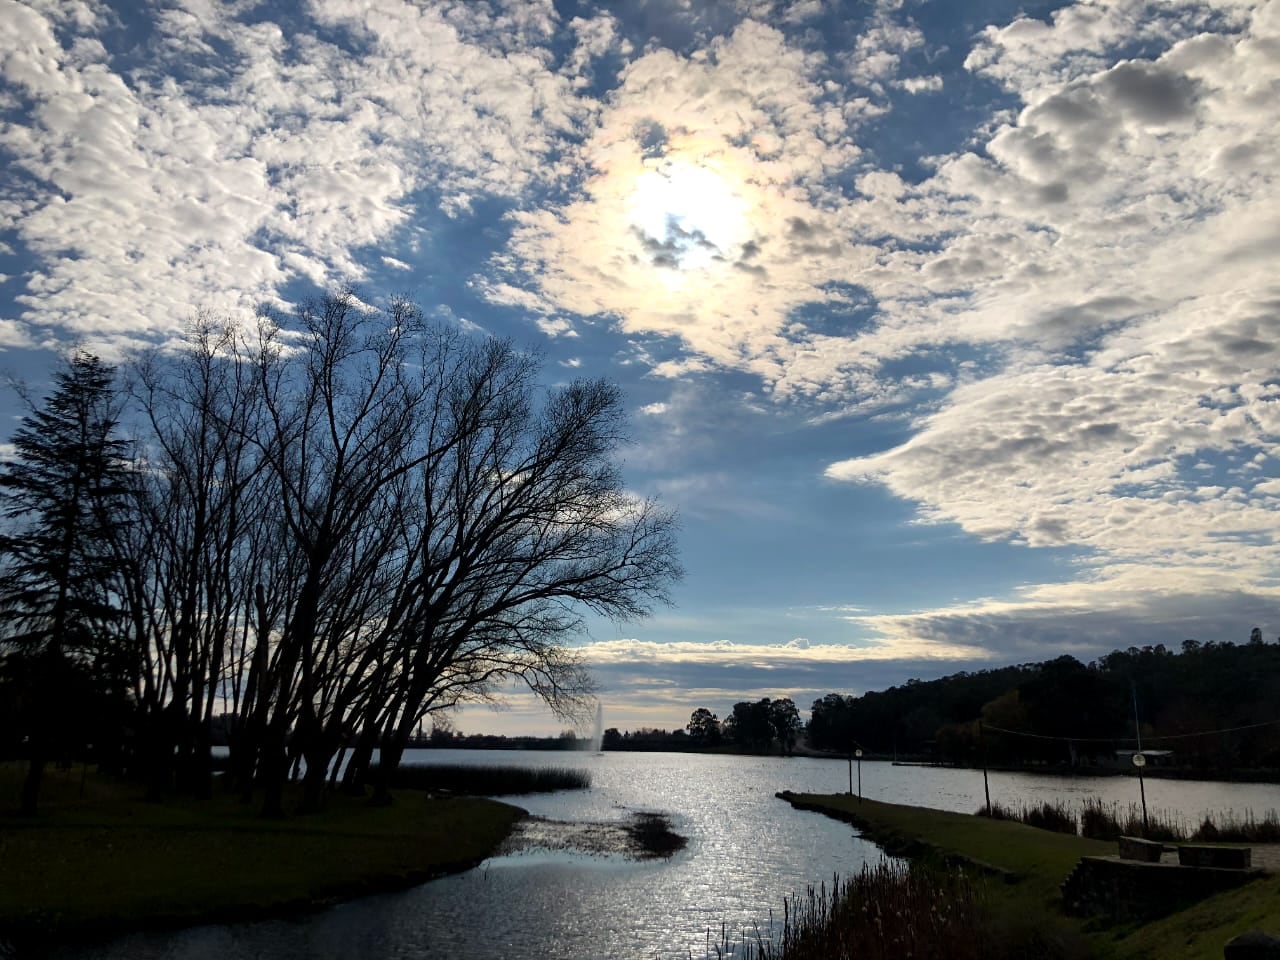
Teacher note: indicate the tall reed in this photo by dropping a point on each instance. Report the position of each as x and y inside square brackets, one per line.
[1245, 829]
[886, 912]
[1100, 820]
[1055, 815]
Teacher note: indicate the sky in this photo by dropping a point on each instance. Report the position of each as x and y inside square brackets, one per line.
[951, 330]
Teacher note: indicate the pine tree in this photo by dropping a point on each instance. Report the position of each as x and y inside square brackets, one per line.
[60, 499]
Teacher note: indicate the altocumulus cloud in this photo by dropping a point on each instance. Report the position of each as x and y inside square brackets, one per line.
[238, 156]
[1134, 206]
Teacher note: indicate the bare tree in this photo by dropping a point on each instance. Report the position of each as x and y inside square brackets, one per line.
[196, 544]
[343, 523]
[525, 526]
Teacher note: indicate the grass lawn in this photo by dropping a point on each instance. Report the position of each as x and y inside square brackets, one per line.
[107, 861]
[1041, 860]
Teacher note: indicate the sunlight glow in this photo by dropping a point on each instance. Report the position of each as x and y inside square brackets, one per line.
[689, 217]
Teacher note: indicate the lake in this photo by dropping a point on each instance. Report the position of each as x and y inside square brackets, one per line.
[746, 851]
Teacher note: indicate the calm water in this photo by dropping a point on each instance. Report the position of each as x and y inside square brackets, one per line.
[746, 850]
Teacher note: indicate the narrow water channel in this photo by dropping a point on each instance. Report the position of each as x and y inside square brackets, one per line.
[746, 851]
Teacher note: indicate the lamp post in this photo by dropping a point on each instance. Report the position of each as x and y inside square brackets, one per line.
[858, 753]
[986, 787]
[1139, 760]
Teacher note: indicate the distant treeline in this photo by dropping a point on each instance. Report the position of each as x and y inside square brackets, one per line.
[1215, 706]
[762, 726]
[1065, 712]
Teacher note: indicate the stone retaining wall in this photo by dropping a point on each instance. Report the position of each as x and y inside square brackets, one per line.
[1133, 891]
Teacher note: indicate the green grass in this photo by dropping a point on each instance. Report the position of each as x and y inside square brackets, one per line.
[1201, 931]
[1037, 861]
[109, 862]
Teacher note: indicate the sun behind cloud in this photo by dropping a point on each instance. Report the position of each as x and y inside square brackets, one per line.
[700, 218]
[691, 215]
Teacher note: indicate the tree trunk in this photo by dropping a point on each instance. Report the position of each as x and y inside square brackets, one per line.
[319, 757]
[388, 762]
[353, 780]
[31, 783]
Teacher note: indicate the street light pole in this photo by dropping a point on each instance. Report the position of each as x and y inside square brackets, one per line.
[986, 787]
[1139, 760]
[858, 753]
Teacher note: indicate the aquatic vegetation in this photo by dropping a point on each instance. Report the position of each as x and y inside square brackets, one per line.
[1055, 816]
[893, 910]
[653, 837]
[1246, 829]
[488, 780]
[1100, 820]
[642, 836]
[998, 811]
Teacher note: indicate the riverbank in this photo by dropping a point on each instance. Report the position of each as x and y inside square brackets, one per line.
[1029, 866]
[99, 861]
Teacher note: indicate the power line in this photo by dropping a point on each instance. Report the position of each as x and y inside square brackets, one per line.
[1169, 736]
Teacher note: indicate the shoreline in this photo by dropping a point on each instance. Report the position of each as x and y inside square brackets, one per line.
[26, 934]
[893, 842]
[101, 863]
[1030, 865]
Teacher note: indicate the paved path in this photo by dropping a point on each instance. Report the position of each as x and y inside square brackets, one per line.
[1265, 856]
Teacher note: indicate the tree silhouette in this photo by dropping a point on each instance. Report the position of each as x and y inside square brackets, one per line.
[704, 727]
[62, 494]
[785, 720]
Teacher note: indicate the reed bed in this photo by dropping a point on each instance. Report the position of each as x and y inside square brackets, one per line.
[886, 912]
[1099, 820]
[1056, 816]
[488, 780]
[895, 910]
[653, 836]
[1245, 829]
